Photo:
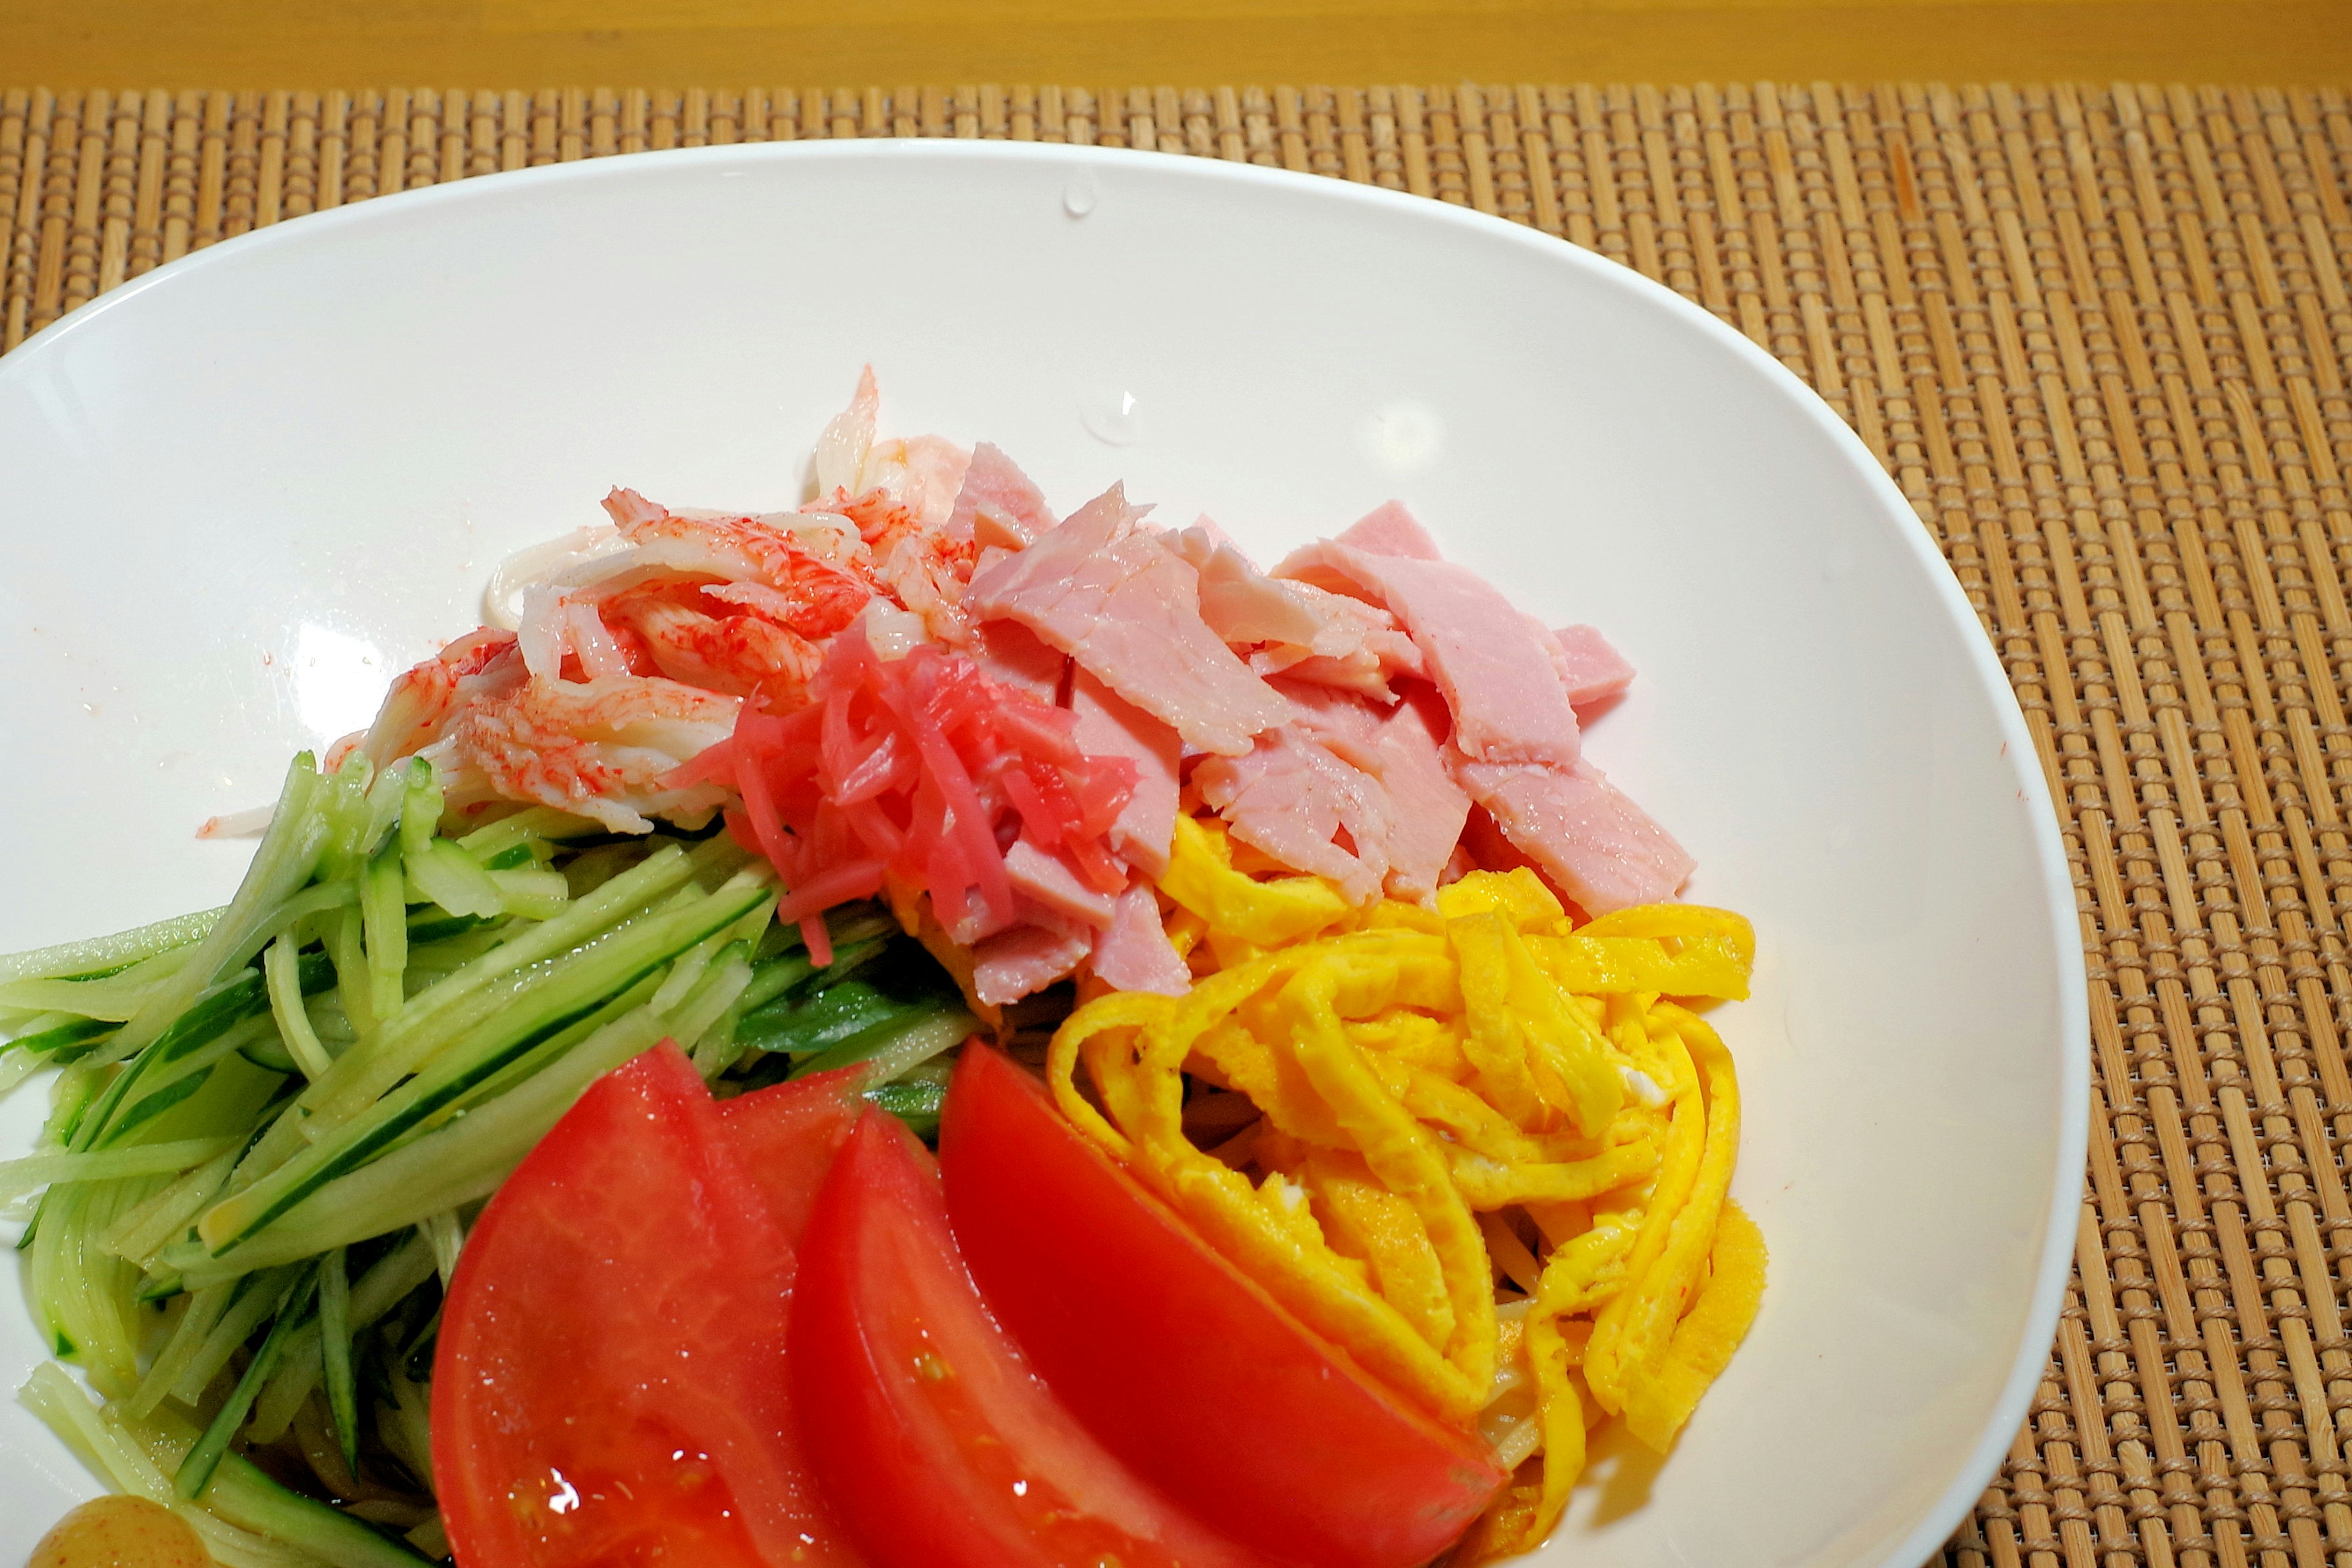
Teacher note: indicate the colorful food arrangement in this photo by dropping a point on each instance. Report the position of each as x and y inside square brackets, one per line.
[907, 1031]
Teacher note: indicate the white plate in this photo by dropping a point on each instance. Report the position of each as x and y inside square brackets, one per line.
[237, 494]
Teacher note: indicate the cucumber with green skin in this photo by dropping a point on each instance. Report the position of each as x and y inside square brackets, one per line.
[568, 993]
[242, 1494]
[222, 1008]
[424, 1106]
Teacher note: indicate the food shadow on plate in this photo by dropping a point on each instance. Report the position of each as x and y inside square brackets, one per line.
[1624, 1469]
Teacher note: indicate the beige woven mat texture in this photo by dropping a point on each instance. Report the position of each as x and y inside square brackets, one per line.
[2099, 336]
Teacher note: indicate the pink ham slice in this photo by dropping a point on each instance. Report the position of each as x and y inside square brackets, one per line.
[1022, 959]
[1588, 667]
[1389, 530]
[1400, 750]
[1507, 698]
[1135, 953]
[1295, 627]
[1597, 847]
[1046, 879]
[1118, 600]
[1241, 604]
[1361, 648]
[997, 504]
[1109, 727]
[1292, 796]
[1010, 653]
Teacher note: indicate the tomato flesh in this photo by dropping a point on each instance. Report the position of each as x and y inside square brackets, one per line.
[1178, 1363]
[934, 1438]
[609, 1387]
[786, 1136]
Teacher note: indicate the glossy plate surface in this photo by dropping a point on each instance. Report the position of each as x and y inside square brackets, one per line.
[239, 494]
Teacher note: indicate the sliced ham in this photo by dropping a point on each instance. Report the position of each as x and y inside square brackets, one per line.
[1359, 676]
[1292, 797]
[1116, 599]
[1400, 750]
[1389, 530]
[1311, 632]
[1011, 654]
[1588, 667]
[1500, 680]
[1026, 959]
[1425, 804]
[998, 504]
[1046, 879]
[1360, 650]
[1242, 603]
[1108, 726]
[1135, 953]
[1596, 846]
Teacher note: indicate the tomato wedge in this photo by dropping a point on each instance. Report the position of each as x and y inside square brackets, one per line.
[1181, 1364]
[928, 1429]
[609, 1385]
[786, 1136]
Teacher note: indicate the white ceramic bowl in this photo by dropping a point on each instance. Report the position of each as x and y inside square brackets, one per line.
[236, 495]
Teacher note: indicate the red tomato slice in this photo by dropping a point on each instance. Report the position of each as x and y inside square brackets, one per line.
[609, 1385]
[786, 1136]
[938, 1444]
[1181, 1364]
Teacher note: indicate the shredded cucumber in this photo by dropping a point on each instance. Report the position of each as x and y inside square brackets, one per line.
[273, 1121]
[106, 953]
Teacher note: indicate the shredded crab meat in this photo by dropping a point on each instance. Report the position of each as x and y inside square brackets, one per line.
[600, 748]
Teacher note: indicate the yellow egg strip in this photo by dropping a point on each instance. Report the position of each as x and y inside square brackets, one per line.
[1425, 1074]
[1372, 1222]
[1658, 1404]
[1682, 921]
[1630, 1336]
[1405, 1157]
[1201, 878]
[1485, 1184]
[1269, 1237]
[1593, 965]
[1125, 1010]
[1562, 1415]
[1539, 1058]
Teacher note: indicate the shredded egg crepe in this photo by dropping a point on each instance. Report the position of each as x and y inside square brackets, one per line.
[1448, 1099]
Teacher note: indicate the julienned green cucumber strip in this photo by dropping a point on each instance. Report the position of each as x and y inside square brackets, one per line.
[219, 1010]
[915, 1101]
[283, 863]
[20, 1176]
[912, 1037]
[434, 926]
[196, 1472]
[813, 1026]
[64, 1042]
[457, 1164]
[116, 995]
[569, 992]
[438, 1048]
[139, 1458]
[535, 822]
[463, 1000]
[364, 1073]
[334, 1332]
[70, 960]
[243, 1495]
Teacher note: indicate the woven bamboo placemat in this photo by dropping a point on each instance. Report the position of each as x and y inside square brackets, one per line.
[2098, 335]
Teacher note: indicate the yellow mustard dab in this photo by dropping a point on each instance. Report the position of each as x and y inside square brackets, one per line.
[1419, 1073]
